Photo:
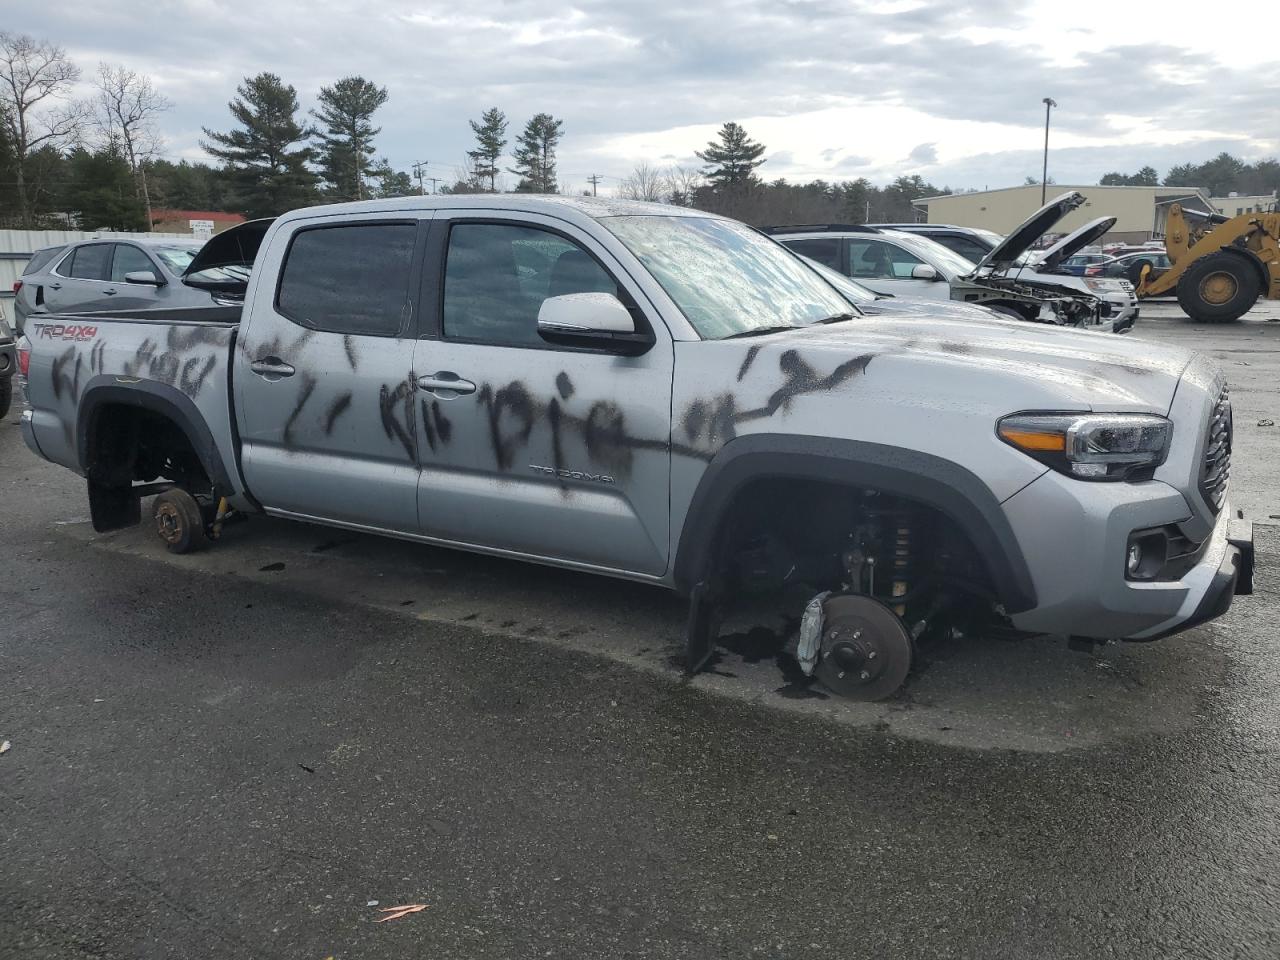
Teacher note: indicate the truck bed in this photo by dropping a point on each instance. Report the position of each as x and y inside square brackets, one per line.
[175, 361]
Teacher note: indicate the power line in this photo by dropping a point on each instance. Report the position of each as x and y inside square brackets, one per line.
[594, 180]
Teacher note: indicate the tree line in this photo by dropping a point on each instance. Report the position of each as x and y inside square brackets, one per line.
[1223, 175]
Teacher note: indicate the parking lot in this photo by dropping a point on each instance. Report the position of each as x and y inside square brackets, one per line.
[237, 752]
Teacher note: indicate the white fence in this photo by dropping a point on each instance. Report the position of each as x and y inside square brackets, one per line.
[16, 247]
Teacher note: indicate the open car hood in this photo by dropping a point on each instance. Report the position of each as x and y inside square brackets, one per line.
[1032, 229]
[1073, 243]
[223, 264]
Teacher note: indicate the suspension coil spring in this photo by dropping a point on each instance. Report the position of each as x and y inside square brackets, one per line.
[901, 561]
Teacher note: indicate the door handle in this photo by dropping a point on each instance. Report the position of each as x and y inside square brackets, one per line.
[272, 368]
[446, 380]
[110, 293]
[55, 286]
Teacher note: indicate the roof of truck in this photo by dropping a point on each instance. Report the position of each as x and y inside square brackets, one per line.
[557, 204]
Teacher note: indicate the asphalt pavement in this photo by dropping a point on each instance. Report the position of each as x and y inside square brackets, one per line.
[251, 751]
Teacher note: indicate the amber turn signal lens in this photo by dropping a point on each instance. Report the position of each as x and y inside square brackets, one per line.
[1038, 440]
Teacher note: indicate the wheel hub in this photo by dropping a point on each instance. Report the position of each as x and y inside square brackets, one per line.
[865, 652]
[168, 523]
[1218, 288]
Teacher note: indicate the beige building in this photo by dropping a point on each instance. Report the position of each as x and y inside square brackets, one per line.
[1140, 212]
[1232, 205]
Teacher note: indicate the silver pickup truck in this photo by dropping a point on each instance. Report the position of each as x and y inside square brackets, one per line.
[659, 394]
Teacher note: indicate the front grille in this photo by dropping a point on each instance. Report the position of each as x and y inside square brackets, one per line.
[1216, 467]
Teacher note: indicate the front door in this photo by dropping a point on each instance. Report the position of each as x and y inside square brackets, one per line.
[886, 268]
[529, 448]
[133, 296]
[323, 389]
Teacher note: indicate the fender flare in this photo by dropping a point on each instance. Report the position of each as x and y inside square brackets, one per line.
[942, 484]
[1253, 260]
[169, 402]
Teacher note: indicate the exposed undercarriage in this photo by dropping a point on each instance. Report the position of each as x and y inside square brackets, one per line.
[861, 575]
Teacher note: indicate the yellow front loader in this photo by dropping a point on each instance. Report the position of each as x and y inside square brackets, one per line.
[1220, 266]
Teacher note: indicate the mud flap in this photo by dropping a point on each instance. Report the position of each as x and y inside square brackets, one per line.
[112, 508]
[703, 628]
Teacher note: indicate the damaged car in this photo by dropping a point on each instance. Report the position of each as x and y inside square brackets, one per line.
[668, 396]
[1008, 277]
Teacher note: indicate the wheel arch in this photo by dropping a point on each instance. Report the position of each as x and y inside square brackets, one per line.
[941, 484]
[104, 391]
[1247, 255]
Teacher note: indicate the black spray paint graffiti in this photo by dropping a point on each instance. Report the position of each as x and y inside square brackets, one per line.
[63, 381]
[401, 399]
[304, 394]
[341, 403]
[438, 427]
[174, 366]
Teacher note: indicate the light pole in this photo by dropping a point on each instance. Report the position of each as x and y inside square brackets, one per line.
[1049, 104]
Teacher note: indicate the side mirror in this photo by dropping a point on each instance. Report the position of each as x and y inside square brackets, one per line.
[591, 320]
[922, 271]
[145, 277]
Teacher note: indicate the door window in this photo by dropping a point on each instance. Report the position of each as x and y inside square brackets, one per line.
[129, 259]
[349, 278]
[497, 275]
[90, 262]
[826, 250]
[876, 259]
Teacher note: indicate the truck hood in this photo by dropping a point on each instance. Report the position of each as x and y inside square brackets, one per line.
[1072, 243]
[1028, 232]
[1061, 368]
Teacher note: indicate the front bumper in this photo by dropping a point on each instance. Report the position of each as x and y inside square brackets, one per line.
[1074, 537]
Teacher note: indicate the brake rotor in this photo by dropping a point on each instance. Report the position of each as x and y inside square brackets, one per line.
[865, 652]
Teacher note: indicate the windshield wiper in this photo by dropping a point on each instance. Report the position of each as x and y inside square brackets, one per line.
[760, 331]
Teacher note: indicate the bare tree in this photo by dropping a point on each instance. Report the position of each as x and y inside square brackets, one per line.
[645, 183]
[35, 78]
[125, 110]
[683, 184]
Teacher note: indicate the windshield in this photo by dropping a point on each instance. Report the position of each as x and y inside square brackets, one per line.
[726, 278]
[176, 258]
[950, 263]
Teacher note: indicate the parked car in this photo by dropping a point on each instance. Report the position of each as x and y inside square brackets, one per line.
[972, 243]
[1129, 265]
[8, 363]
[875, 304]
[134, 274]
[668, 396]
[1031, 285]
[1078, 264]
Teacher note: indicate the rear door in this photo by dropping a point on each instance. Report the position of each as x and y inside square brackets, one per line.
[80, 279]
[526, 447]
[324, 394]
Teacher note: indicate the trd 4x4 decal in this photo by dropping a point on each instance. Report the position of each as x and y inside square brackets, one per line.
[64, 331]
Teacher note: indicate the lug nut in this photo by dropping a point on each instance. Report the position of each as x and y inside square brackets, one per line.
[871, 654]
[865, 675]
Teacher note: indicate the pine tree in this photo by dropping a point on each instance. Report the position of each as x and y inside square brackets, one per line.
[536, 155]
[346, 140]
[733, 160]
[491, 138]
[269, 174]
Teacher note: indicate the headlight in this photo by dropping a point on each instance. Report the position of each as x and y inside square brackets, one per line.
[1091, 446]
[1100, 286]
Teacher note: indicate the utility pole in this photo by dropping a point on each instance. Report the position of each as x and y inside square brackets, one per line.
[1049, 104]
[433, 181]
[594, 180]
[417, 172]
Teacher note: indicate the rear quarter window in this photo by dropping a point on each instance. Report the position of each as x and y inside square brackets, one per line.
[349, 278]
[41, 259]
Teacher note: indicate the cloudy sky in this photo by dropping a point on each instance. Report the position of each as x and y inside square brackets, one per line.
[837, 89]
